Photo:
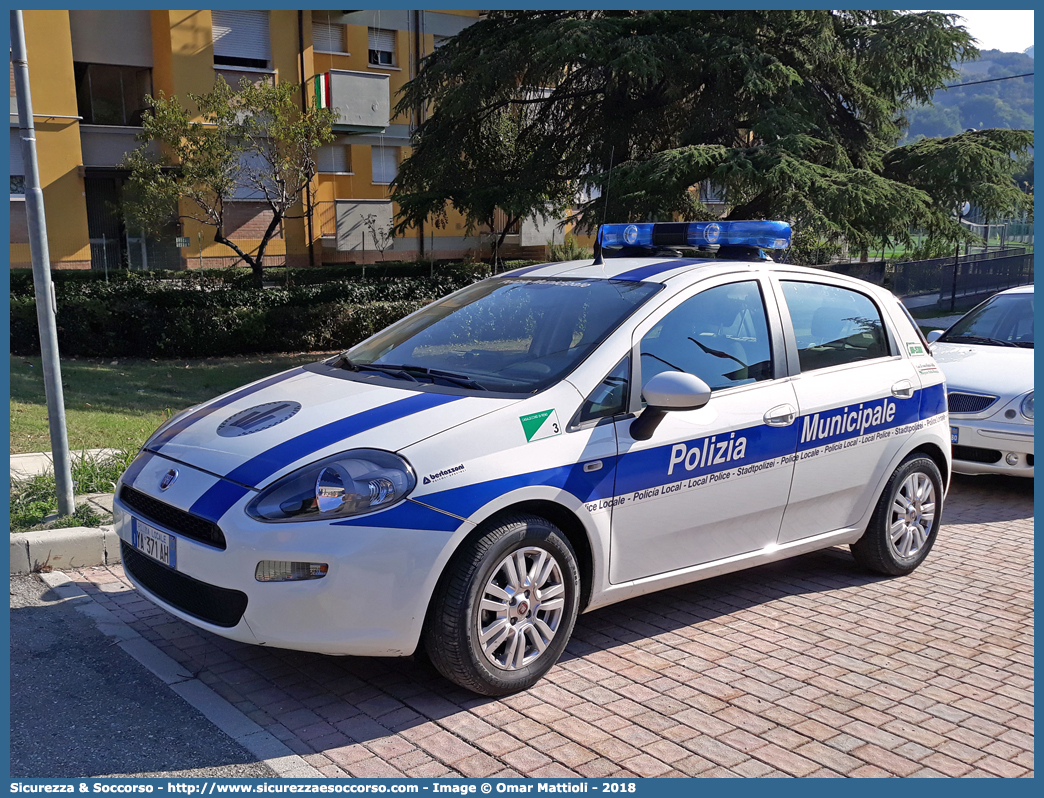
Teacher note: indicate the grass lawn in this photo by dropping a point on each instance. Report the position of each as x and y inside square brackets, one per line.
[118, 403]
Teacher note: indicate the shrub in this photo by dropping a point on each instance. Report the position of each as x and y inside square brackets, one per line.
[148, 318]
[569, 249]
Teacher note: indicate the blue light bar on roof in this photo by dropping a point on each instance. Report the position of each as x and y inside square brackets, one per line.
[767, 235]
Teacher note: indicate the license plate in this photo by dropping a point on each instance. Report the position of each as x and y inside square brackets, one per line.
[156, 544]
[954, 434]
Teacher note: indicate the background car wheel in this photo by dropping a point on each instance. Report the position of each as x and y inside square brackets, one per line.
[504, 610]
[906, 520]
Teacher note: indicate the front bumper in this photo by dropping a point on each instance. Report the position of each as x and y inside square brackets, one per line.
[372, 602]
[984, 446]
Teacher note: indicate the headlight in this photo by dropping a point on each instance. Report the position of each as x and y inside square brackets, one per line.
[351, 483]
[1027, 406]
[167, 423]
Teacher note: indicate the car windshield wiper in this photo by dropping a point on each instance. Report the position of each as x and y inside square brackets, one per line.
[982, 339]
[344, 362]
[407, 372]
[457, 379]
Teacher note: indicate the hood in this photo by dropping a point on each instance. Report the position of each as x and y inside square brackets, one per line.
[996, 370]
[256, 434]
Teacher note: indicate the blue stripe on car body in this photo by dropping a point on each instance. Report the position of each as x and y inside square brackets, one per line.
[136, 466]
[649, 468]
[655, 269]
[645, 469]
[408, 515]
[223, 401]
[219, 498]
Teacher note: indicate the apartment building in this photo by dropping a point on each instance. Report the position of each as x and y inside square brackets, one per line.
[91, 70]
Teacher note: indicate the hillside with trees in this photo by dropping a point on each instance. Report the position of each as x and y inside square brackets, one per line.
[1003, 104]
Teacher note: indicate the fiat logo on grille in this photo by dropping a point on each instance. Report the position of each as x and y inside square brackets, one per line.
[168, 479]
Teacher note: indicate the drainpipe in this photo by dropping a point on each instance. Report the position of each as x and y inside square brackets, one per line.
[418, 32]
[304, 109]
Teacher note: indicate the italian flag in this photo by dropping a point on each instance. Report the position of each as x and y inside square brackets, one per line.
[322, 90]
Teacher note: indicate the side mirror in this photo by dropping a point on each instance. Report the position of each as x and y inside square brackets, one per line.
[667, 391]
[934, 336]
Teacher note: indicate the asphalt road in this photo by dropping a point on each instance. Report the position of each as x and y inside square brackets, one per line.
[82, 707]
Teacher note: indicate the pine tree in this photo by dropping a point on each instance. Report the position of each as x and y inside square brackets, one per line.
[794, 114]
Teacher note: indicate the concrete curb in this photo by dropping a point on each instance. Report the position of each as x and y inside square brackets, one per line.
[73, 547]
[262, 744]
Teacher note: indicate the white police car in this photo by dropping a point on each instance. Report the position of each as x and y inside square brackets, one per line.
[546, 442]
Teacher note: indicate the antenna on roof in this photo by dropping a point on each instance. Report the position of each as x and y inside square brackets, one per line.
[605, 206]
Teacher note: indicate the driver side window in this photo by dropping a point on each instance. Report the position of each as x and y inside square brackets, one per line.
[720, 335]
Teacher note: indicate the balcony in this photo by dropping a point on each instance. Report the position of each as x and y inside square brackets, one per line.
[362, 100]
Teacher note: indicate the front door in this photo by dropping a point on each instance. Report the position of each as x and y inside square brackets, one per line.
[710, 483]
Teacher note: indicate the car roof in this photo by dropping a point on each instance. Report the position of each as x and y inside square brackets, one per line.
[1022, 289]
[662, 270]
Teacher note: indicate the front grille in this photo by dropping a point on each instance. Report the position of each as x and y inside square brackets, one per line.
[968, 402]
[217, 605]
[973, 454]
[177, 521]
[1029, 460]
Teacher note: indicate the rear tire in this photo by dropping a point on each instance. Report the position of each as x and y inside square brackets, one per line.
[504, 609]
[906, 520]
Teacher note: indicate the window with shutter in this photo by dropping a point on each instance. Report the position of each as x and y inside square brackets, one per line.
[328, 38]
[334, 158]
[382, 47]
[241, 38]
[17, 170]
[385, 164]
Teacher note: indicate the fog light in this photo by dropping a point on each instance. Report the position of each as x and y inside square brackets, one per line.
[1011, 458]
[282, 571]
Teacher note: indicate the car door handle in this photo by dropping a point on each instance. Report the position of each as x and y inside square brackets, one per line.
[903, 389]
[781, 416]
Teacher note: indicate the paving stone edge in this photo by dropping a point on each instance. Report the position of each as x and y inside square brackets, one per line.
[262, 744]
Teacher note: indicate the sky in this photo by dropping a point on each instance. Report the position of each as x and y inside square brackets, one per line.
[1010, 31]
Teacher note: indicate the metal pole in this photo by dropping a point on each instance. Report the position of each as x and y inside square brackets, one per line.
[105, 257]
[45, 310]
[956, 266]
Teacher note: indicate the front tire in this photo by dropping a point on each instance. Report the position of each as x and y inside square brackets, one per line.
[505, 608]
[906, 520]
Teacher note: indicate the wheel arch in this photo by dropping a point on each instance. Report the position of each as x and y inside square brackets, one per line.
[933, 451]
[550, 509]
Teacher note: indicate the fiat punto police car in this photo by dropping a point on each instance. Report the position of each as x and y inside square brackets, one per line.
[546, 442]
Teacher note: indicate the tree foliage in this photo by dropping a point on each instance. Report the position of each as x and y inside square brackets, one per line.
[253, 144]
[795, 114]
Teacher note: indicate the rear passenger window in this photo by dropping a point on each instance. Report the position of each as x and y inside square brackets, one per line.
[720, 335]
[833, 325]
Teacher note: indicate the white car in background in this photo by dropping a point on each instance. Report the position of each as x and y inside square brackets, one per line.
[987, 358]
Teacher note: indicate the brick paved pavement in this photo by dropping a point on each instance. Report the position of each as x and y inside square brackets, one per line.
[804, 668]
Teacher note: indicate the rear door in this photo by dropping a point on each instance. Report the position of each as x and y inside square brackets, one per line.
[857, 395]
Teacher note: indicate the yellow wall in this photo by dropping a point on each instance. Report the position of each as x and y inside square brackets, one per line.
[49, 46]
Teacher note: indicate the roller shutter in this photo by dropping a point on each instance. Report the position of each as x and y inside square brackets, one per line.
[242, 34]
[328, 38]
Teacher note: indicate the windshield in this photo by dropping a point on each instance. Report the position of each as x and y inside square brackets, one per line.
[512, 335]
[1004, 320]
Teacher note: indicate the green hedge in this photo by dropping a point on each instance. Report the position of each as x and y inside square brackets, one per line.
[157, 318]
[240, 277]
